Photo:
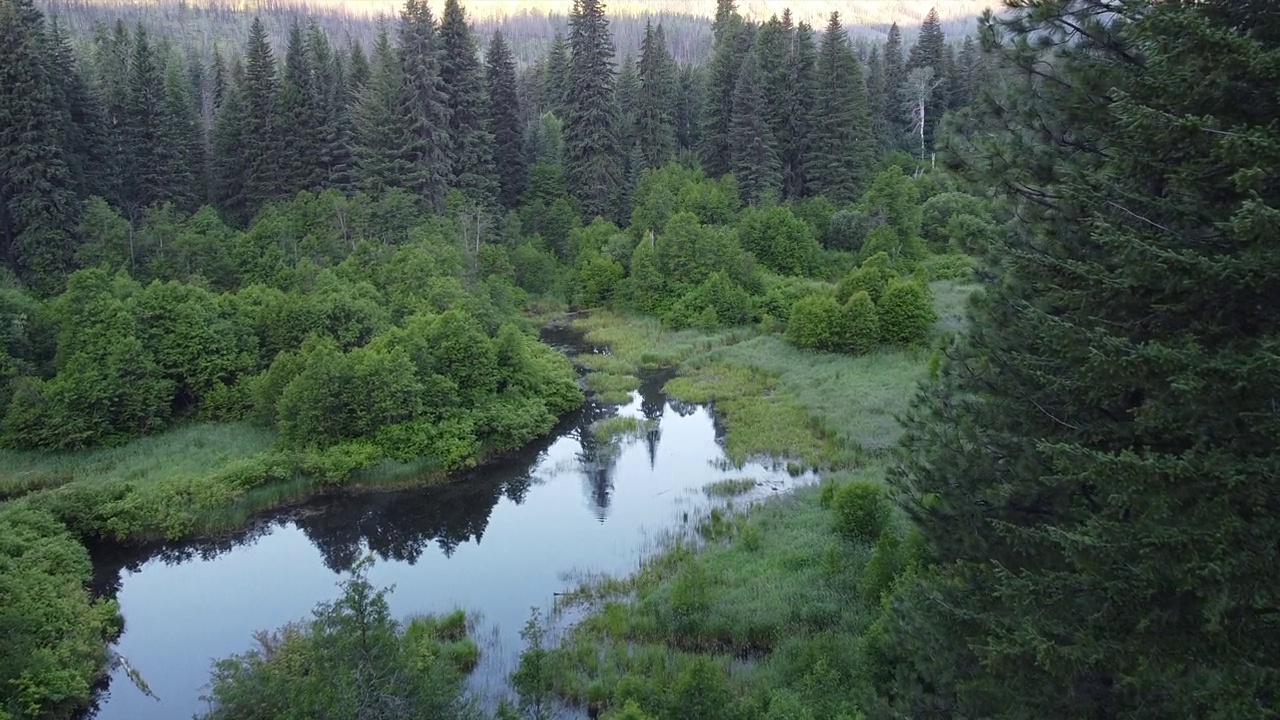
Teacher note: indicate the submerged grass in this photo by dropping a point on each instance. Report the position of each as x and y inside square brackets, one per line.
[733, 487]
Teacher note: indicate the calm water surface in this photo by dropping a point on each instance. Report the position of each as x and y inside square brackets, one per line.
[496, 543]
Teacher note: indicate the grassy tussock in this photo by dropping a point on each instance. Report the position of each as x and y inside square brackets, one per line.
[612, 388]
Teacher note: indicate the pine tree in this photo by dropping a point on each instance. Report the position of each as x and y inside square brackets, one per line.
[381, 162]
[557, 81]
[297, 106]
[504, 122]
[331, 108]
[754, 151]
[424, 107]
[231, 163]
[655, 116]
[931, 51]
[796, 139]
[471, 154]
[264, 182]
[219, 84]
[184, 135]
[358, 72]
[895, 77]
[772, 49]
[111, 57]
[37, 202]
[688, 112]
[1096, 471]
[877, 101]
[733, 41]
[593, 156]
[82, 120]
[152, 155]
[840, 152]
[628, 95]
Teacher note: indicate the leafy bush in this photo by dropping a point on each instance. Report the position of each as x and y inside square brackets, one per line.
[860, 327]
[717, 302]
[848, 230]
[861, 511]
[906, 312]
[952, 266]
[778, 239]
[701, 691]
[595, 279]
[871, 277]
[938, 212]
[815, 323]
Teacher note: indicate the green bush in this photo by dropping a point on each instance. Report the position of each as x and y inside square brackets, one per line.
[815, 323]
[848, 230]
[595, 279]
[872, 276]
[952, 266]
[701, 691]
[861, 511]
[939, 210]
[778, 239]
[906, 312]
[859, 331]
[886, 564]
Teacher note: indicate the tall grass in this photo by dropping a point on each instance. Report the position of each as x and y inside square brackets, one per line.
[636, 342]
[184, 451]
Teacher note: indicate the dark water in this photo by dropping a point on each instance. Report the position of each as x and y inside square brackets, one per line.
[497, 543]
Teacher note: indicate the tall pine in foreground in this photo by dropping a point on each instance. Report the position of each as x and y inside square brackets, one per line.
[841, 142]
[504, 121]
[593, 157]
[1097, 471]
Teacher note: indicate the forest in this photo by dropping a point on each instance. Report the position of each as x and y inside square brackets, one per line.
[250, 259]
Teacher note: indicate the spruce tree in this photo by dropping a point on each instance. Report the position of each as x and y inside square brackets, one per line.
[37, 202]
[556, 82]
[299, 124]
[504, 122]
[655, 126]
[797, 137]
[331, 100]
[877, 100]
[184, 134]
[219, 84]
[593, 156]
[733, 42]
[895, 77]
[112, 52]
[83, 123]
[424, 107]
[151, 153]
[628, 95]
[381, 134]
[264, 182]
[471, 143]
[931, 51]
[754, 151]
[688, 112]
[772, 48]
[231, 163]
[1096, 472]
[841, 147]
[358, 70]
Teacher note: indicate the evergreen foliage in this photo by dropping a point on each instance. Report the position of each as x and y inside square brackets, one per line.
[841, 144]
[752, 148]
[655, 121]
[1095, 470]
[593, 155]
[471, 158]
[421, 113]
[504, 122]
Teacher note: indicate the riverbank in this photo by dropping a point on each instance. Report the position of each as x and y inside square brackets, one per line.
[767, 609]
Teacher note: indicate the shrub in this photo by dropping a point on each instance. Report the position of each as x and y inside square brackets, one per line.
[970, 234]
[872, 276]
[904, 250]
[595, 279]
[906, 312]
[861, 510]
[815, 323]
[941, 209]
[779, 239]
[860, 329]
[848, 230]
[886, 563]
[702, 692]
[952, 266]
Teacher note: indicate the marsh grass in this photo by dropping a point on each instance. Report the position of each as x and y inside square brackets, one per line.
[636, 342]
[731, 488]
[612, 388]
[184, 451]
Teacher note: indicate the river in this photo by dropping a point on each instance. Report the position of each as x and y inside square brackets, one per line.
[497, 542]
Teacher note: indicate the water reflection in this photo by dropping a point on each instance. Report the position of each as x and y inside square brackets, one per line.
[497, 541]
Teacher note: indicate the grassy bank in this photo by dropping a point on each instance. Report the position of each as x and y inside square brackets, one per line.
[762, 612]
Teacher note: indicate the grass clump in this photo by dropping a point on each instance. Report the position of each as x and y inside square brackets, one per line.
[733, 487]
[637, 342]
[620, 428]
[612, 388]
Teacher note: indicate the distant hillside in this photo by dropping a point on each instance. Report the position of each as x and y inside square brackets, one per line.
[529, 24]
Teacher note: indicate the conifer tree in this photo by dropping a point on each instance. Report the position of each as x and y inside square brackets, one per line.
[471, 143]
[381, 135]
[877, 100]
[895, 77]
[231, 162]
[299, 155]
[1096, 470]
[772, 48]
[504, 122]
[628, 95]
[688, 112]
[733, 42]
[557, 83]
[754, 151]
[358, 71]
[424, 107]
[797, 137]
[183, 131]
[112, 52]
[655, 116]
[37, 201]
[841, 147]
[219, 83]
[331, 109]
[152, 156]
[262, 138]
[82, 122]
[593, 156]
[931, 51]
